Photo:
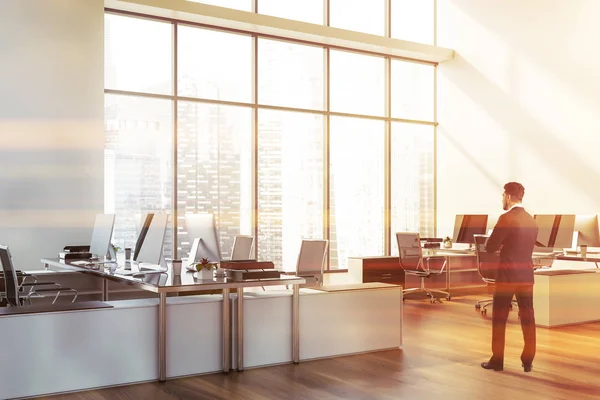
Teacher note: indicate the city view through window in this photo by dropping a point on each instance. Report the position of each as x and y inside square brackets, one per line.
[296, 151]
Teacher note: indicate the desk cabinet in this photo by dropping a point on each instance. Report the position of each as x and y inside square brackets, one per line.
[376, 269]
[461, 272]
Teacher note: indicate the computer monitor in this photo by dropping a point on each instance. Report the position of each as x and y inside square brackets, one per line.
[555, 230]
[587, 229]
[102, 234]
[142, 232]
[149, 246]
[203, 227]
[242, 247]
[465, 226]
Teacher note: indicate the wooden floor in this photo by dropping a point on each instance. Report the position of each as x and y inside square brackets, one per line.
[443, 347]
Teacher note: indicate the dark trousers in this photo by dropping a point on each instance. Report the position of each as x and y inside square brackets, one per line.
[503, 295]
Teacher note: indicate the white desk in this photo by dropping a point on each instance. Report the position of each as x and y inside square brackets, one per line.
[566, 297]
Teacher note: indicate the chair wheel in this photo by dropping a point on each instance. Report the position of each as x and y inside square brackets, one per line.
[477, 306]
[484, 312]
[432, 300]
[448, 298]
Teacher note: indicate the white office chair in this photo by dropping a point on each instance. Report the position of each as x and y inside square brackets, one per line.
[311, 260]
[242, 247]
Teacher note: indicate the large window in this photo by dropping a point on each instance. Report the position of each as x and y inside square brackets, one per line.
[138, 166]
[412, 180]
[290, 74]
[137, 55]
[357, 83]
[305, 10]
[214, 147]
[358, 15]
[290, 182]
[244, 5]
[412, 90]
[214, 65]
[413, 20]
[357, 188]
[278, 139]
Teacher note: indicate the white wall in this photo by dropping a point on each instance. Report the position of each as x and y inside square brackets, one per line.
[519, 102]
[51, 124]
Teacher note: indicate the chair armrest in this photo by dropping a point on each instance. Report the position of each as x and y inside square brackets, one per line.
[443, 267]
[41, 284]
[58, 291]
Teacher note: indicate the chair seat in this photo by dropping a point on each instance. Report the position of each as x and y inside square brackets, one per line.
[418, 273]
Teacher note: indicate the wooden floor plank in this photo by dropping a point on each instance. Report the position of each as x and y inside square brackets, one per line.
[444, 343]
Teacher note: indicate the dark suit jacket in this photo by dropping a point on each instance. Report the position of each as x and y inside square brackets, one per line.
[514, 235]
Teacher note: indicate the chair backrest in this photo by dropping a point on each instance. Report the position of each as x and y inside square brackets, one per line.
[487, 263]
[311, 258]
[242, 247]
[411, 254]
[10, 277]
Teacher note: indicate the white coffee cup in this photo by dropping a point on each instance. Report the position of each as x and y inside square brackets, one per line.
[176, 267]
[583, 250]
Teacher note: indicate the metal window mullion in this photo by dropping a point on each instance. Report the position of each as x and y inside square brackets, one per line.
[388, 18]
[435, 143]
[174, 208]
[387, 160]
[255, 146]
[326, 155]
[435, 23]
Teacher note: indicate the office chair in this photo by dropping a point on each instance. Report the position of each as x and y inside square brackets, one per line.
[22, 278]
[14, 289]
[413, 263]
[311, 259]
[242, 247]
[487, 264]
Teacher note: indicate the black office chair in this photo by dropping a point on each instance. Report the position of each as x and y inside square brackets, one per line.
[487, 265]
[15, 294]
[413, 263]
[22, 278]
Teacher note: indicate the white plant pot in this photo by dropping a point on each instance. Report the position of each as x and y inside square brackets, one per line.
[205, 274]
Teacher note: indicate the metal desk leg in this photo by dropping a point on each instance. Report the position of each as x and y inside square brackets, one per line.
[104, 289]
[240, 329]
[162, 337]
[296, 324]
[447, 274]
[226, 332]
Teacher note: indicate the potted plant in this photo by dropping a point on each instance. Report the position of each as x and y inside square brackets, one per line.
[447, 242]
[205, 269]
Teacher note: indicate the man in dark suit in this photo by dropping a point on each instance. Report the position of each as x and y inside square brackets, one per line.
[514, 235]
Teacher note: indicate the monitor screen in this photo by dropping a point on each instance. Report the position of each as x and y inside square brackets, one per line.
[102, 234]
[588, 231]
[152, 245]
[555, 230]
[203, 227]
[465, 226]
[142, 236]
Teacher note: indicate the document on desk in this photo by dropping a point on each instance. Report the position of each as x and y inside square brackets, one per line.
[90, 263]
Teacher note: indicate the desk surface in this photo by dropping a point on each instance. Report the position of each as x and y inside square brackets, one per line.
[160, 280]
[356, 286]
[595, 258]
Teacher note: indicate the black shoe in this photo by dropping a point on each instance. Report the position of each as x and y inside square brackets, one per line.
[527, 367]
[489, 365]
